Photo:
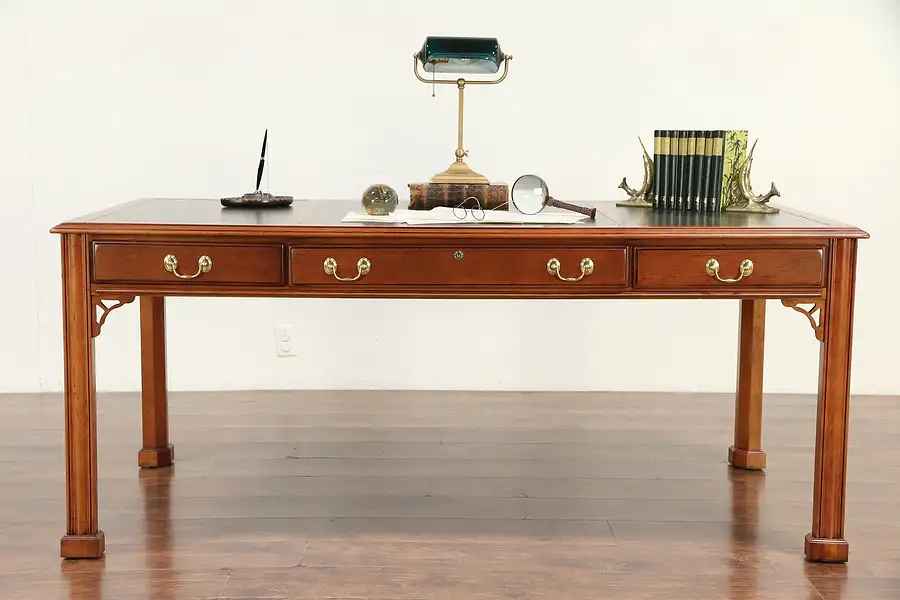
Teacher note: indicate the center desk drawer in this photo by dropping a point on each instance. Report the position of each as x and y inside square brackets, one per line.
[188, 263]
[458, 266]
[659, 268]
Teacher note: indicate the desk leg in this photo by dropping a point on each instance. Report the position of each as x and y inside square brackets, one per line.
[826, 543]
[83, 537]
[746, 453]
[156, 450]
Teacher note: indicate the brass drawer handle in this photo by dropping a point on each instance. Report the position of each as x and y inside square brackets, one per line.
[204, 265]
[746, 270]
[363, 266]
[554, 266]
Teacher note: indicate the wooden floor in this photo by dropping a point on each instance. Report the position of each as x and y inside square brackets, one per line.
[445, 496]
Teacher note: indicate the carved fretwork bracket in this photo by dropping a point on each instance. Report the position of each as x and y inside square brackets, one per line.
[815, 307]
[102, 307]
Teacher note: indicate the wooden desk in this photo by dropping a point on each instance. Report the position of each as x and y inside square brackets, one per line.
[111, 257]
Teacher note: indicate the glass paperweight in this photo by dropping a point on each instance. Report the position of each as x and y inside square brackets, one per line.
[380, 199]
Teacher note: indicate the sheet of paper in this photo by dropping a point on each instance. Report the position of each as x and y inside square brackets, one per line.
[363, 217]
[444, 215]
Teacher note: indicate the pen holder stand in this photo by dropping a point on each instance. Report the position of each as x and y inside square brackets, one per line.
[257, 199]
[738, 196]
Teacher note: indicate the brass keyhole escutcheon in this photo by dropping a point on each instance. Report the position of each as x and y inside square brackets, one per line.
[458, 255]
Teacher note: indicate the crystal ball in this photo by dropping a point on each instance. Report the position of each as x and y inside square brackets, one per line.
[380, 199]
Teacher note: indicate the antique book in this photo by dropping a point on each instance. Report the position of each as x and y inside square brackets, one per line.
[682, 168]
[674, 162]
[718, 158]
[689, 169]
[662, 173]
[710, 170]
[672, 174]
[425, 196]
[699, 174]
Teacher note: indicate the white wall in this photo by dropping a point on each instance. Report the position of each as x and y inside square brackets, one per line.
[104, 101]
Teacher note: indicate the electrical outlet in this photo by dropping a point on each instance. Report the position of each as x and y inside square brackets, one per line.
[284, 341]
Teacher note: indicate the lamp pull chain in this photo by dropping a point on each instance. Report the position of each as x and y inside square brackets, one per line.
[432, 81]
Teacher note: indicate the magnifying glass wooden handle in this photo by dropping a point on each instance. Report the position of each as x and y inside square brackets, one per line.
[591, 212]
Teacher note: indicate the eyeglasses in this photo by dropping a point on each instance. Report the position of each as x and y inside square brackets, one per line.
[461, 212]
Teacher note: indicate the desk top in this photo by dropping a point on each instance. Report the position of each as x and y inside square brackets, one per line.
[304, 217]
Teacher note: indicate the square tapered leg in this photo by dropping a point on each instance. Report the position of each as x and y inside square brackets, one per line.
[746, 453]
[156, 450]
[83, 538]
[826, 543]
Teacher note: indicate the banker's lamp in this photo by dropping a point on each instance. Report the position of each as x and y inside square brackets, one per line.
[460, 55]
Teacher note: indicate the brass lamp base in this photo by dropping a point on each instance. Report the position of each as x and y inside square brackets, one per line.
[459, 172]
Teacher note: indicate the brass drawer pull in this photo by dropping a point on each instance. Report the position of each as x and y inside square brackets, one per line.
[363, 266]
[554, 266]
[746, 270]
[204, 265]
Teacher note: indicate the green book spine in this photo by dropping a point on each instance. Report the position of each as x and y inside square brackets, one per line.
[704, 171]
[676, 170]
[657, 142]
[682, 169]
[710, 169]
[667, 176]
[669, 143]
[689, 170]
[734, 152]
[718, 159]
[697, 191]
[663, 171]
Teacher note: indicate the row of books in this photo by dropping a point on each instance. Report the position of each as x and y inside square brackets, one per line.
[693, 168]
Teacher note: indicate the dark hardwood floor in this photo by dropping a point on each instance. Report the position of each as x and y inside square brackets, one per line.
[446, 495]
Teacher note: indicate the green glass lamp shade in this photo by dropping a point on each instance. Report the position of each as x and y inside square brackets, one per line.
[461, 55]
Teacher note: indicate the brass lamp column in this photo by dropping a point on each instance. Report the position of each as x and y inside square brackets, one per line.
[460, 55]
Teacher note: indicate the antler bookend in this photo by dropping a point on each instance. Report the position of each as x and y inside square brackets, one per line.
[642, 197]
[740, 194]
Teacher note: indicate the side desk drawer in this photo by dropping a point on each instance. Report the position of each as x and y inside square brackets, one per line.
[188, 263]
[665, 268]
[457, 266]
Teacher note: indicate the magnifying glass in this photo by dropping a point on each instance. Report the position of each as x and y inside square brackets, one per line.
[530, 196]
